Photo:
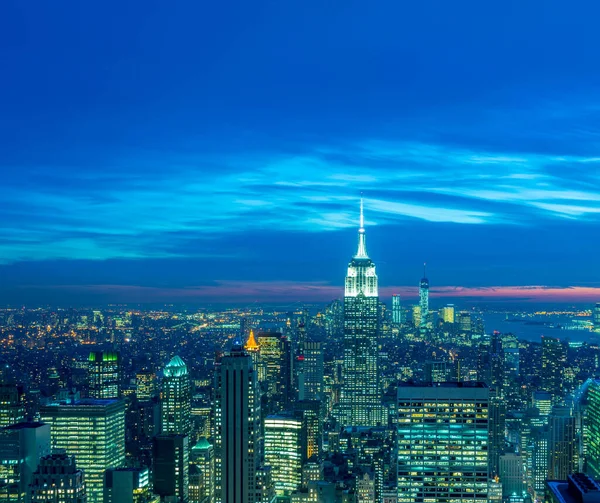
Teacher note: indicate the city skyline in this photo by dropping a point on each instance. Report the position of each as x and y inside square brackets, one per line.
[176, 158]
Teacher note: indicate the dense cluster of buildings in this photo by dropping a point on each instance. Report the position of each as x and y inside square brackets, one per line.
[353, 403]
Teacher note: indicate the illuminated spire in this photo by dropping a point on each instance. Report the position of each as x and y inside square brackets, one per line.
[362, 247]
[251, 344]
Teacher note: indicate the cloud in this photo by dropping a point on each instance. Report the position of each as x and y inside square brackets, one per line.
[134, 209]
[291, 291]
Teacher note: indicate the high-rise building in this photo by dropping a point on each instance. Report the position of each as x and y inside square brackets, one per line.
[554, 356]
[12, 408]
[542, 401]
[176, 403]
[497, 427]
[511, 474]
[145, 386]
[360, 400]
[92, 430]
[238, 440]
[203, 456]
[539, 459]
[311, 412]
[511, 353]
[171, 467]
[22, 445]
[416, 316]
[424, 297]
[104, 374]
[275, 368]
[436, 371]
[57, 480]
[283, 452]
[313, 367]
[448, 313]
[592, 427]
[128, 485]
[396, 309]
[442, 442]
[563, 446]
[464, 322]
[596, 316]
[578, 488]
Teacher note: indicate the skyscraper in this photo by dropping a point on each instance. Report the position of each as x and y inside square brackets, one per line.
[104, 374]
[313, 371]
[12, 409]
[203, 456]
[59, 480]
[596, 317]
[562, 447]
[554, 355]
[22, 446]
[92, 430]
[275, 370]
[176, 404]
[283, 452]
[360, 400]
[128, 485]
[592, 440]
[396, 309]
[145, 386]
[424, 297]
[238, 441]
[442, 442]
[171, 467]
[448, 313]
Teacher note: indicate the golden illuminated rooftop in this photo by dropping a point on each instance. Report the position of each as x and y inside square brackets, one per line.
[251, 344]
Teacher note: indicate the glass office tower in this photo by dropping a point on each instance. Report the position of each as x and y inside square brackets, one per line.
[442, 442]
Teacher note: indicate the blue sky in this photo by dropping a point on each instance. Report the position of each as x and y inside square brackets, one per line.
[158, 151]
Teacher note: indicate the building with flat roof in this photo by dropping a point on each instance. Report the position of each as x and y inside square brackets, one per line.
[442, 442]
[578, 488]
[92, 430]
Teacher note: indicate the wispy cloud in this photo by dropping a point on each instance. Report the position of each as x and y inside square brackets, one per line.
[134, 209]
[284, 291]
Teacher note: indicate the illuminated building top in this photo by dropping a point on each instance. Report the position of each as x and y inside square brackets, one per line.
[361, 277]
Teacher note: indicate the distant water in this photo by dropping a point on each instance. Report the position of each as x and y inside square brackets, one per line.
[533, 331]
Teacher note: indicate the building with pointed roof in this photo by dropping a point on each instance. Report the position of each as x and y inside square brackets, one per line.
[360, 400]
[176, 403]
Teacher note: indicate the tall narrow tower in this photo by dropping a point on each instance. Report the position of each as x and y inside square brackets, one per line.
[176, 401]
[238, 433]
[424, 297]
[360, 400]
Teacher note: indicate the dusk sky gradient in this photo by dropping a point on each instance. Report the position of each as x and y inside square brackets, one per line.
[216, 151]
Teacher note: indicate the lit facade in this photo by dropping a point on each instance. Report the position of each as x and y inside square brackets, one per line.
[442, 443]
[313, 367]
[12, 408]
[22, 446]
[396, 309]
[176, 403]
[104, 374]
[592, 447]
[238, 439]
[554, 356]
[275, 368]
[57, 480]
[283, 452]
[448, 313]
[94, 432]
[360, 400]
[203, 456]
[424, 299]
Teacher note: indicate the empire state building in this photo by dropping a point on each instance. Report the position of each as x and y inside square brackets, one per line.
[360, 400]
